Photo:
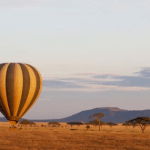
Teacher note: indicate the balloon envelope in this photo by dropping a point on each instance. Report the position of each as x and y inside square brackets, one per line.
[20, 86]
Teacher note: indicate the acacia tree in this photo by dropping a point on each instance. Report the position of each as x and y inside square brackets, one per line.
[97, 117]
[54, 124]
[133, 125]
[27, 122]
[126, 124]
[75, 123]
[142, 122]
[95, 123]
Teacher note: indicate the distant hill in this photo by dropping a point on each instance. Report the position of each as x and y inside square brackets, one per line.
[112, 114]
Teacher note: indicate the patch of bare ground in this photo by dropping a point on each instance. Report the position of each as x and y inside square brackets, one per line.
[62, 138]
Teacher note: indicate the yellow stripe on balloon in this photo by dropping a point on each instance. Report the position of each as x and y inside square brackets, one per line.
[18, 87]
[31, 90]
[38, 89]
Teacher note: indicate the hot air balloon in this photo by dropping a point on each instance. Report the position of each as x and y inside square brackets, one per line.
[20, 86]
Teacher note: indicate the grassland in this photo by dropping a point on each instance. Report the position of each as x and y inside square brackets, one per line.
[62, 138]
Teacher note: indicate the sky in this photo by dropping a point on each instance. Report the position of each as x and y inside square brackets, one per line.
[90, 53]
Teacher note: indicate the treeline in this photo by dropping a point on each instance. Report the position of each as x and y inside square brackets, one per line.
[142, 122]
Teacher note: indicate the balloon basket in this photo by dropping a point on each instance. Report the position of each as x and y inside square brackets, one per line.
[13, 128]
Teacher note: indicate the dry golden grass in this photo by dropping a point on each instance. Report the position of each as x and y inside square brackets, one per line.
[62, 138]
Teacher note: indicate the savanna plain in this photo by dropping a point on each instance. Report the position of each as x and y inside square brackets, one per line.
[65, 137]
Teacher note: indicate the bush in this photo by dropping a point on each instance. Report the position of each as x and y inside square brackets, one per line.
[75, 123]
[87, 127]
[54, 124]
[26, 122]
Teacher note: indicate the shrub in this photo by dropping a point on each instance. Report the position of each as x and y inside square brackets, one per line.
[26, 122]
[54, 124]
[87, 127]
[75, 123]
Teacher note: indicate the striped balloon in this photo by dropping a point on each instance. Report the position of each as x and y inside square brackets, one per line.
[20, 86]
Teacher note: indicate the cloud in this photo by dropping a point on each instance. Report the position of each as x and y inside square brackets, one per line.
[129, 81]
[138, 81]
[145, 72]
[60, 84]
[104, 76]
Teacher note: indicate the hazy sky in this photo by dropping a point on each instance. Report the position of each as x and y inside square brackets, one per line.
[91, 53]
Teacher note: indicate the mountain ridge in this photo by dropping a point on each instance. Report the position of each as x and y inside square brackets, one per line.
[111, 114]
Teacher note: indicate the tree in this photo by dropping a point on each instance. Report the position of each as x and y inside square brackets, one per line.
[27, 122]
[95, 123]
[97, 117]
[126, 124]
[133, 125]
[75, 123]
[142, 122]
[54, 124]
[111, 124]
